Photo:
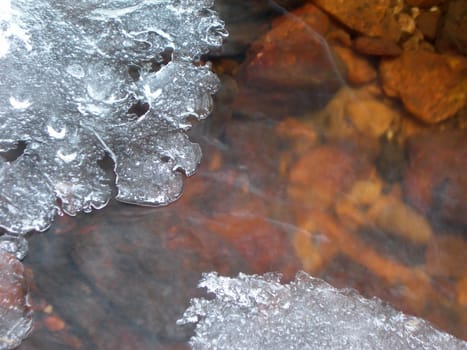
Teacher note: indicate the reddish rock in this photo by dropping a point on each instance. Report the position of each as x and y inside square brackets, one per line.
[453, 36]
[15, 311]
[376, 46]
[370, 17]
[358, 69]
[435, 181]
[432, 87]
[263, 246]
[293, 53]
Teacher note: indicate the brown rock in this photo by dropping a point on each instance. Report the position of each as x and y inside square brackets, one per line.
[376, 46]
[371, 117]
[358, 69]
[359, 115]
[424, 3]
[432, 87]
[406, 22]
[427, 23]
[338, 36]
[435, 181]
[453, 36]
[370, 17]
[293, 53]
[446, 256]
[298, 135]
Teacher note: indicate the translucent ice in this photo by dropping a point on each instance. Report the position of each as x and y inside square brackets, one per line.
[258, 312]
[83, 79]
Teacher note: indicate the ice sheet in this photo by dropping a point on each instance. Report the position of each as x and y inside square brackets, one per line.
[258, 312]
[87, 79]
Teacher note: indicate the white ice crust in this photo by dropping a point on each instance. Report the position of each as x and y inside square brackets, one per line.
[259, 313]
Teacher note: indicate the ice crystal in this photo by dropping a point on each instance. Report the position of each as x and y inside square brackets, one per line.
[258, 312]
[83, 79]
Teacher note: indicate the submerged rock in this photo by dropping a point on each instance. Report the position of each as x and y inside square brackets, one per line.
[370, 17]
[435, 181]
[432, 87]
[294, 53]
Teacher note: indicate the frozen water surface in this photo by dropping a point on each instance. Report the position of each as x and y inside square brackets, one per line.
[83, 80]
[258, 312]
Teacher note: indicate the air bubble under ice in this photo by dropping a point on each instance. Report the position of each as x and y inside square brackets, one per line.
[259, 313]
[82, 80]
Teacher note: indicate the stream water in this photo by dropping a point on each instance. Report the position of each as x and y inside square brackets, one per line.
[301, 170]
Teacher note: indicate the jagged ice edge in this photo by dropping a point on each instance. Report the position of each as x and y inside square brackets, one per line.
[70, 76]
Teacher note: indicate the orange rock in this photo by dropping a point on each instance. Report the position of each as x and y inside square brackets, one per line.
[371, 117]
[365, 205]
[313, 248]
[462, 292]
[432, 87]
[393, 216]
[352, 207]
[358, 69]
[376, 46]
[353, 113]
[414, 284]
[54, 323]
[320, 175]
[370, 17]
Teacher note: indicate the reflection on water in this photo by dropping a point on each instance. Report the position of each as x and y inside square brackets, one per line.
[324, 156]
